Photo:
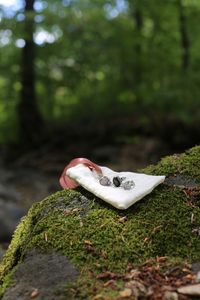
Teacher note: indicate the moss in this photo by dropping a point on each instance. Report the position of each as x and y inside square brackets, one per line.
[97, 237]
[8, 280]
[187, 163]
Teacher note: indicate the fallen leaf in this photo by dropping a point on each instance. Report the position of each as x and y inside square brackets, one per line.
[170, 296]
[122, 219]
[69, 212]
[126, 293]
[77, 209]
[193, 290]
[104, 254]
[155, 229]
[134, 274]
[97, 265]
[192, 218]
[34, 293]
[87, 242]
[146, 239]
[196, 230]
[123, 239]
[46, 237]
[161, 259]
[190, 277]
[186, 270]
[108, 274]
[89, 247]
[99, 297]
[138, 288]
[110, 282]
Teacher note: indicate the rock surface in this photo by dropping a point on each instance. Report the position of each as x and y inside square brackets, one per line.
[98, 239]
[41, 275]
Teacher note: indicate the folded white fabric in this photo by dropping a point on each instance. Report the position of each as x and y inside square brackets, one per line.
[119, 197]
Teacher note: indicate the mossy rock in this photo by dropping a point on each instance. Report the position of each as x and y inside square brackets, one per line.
[95, 237]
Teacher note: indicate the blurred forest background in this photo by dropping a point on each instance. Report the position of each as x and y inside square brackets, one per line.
[106, 71]
[117, 81]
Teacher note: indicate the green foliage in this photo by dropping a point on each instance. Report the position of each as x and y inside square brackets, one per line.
[94, 58]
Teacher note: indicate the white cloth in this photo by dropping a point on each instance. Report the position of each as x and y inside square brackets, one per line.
[116, 196]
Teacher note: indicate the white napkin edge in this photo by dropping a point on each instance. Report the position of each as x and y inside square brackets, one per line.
[125, 203]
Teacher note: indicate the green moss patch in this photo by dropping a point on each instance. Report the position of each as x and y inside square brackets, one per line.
[98, 238]
[187, 163]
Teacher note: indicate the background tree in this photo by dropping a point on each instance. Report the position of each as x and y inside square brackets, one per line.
[30, 121]
[185, 44]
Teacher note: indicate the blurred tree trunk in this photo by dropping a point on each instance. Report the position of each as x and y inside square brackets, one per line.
[30, 120]
[185, 43]
[136, 14]
[137, 72]
[138, 20]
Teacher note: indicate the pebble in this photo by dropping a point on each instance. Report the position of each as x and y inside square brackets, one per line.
[105, 181]
[128, 185]
[117, 181]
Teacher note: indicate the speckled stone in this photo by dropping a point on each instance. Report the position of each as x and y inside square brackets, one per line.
[105, 181]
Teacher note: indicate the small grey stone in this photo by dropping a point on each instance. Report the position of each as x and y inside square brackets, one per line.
[105, 181]
[117, 181]
[128, 185]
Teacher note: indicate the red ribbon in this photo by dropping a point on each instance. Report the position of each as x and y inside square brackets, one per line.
[66, 182]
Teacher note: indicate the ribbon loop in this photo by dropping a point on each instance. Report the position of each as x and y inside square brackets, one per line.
[68, 183]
